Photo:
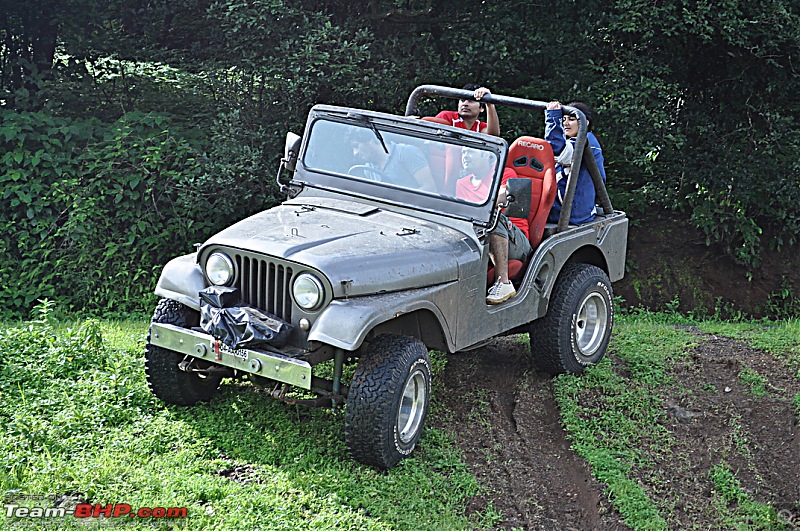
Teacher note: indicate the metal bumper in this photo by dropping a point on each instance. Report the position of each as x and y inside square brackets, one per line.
[203, 346]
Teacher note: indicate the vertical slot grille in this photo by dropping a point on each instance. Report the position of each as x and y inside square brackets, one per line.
[265, 284]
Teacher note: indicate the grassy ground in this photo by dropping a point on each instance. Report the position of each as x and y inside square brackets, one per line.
[79, 425]
[624, 434]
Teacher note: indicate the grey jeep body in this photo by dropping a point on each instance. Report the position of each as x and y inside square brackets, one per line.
[389, 260]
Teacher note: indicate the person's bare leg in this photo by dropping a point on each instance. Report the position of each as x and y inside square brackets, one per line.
[498, 252]
[501, 290]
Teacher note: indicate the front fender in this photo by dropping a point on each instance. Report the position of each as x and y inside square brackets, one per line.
[346, 322]
[181, 280]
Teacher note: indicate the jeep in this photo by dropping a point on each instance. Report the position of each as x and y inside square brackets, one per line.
[366, 267]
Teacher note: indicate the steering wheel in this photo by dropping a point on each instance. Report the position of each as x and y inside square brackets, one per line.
[365, 170]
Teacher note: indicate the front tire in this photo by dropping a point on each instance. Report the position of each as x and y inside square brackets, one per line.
[577, 327]
[388, 401]
[165, 380]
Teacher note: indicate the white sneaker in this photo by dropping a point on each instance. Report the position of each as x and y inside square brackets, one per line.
[500, 292]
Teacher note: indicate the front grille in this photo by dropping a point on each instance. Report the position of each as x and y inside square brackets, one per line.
[265, 284]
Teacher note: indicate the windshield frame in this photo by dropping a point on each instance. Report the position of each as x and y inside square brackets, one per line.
[387, 124]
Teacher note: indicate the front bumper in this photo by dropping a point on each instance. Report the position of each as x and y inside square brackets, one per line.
[205, 347]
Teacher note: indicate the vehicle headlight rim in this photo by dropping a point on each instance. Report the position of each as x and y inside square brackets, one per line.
[227, 269]
[317, 296]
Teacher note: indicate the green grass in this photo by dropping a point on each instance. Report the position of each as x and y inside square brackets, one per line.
[613, 435]
[757, 383]
[79, 421]
[620, 435]
[735, 506]
[780, 338]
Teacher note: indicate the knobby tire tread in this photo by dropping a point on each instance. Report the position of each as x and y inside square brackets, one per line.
[372, 400]
[551, 335]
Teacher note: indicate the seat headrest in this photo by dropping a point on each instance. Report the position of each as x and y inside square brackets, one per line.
[530, 156]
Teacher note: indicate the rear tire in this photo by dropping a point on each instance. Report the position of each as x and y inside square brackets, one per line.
[388, 401]
[165, 380]
[577, 327]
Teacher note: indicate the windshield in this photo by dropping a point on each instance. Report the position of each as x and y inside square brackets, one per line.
[364, 152]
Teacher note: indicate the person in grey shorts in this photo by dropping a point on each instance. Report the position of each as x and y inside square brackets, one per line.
[508, 240]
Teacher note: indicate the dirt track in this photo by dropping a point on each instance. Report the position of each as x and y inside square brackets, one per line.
[506, 421]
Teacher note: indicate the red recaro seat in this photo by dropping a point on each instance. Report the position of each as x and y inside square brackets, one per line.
[532, 158]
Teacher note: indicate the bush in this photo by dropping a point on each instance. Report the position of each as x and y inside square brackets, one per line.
[95, 209]
[91, 208]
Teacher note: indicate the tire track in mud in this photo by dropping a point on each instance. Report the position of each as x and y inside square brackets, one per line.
[506, 421]
[755, 432]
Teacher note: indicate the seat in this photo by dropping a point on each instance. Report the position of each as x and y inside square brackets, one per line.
[532, 158]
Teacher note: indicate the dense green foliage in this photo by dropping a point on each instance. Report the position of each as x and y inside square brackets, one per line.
[88, 206]
[694, 101]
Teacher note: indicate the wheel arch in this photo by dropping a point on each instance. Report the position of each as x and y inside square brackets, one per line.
[585, 254]
[181, 280]
[421, 324]
[347, 323]
[589, 254]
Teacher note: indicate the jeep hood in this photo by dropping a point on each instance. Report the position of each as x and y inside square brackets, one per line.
[362, 249]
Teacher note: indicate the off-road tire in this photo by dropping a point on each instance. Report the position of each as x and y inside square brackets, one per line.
[575, 331]
[164, 378]
[388, 401]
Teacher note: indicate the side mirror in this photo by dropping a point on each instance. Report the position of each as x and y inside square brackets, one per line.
[291, 150]
[518, 195]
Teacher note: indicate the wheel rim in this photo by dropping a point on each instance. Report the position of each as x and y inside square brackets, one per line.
[412, 406]
[590, 324]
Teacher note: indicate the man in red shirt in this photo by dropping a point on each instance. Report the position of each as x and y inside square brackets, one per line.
[476, 185]
[466, 117]
[509, 239]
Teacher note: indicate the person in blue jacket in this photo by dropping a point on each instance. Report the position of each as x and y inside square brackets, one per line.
[561, 130]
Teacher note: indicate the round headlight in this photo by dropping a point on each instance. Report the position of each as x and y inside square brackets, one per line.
[219, 269]
[308, 291]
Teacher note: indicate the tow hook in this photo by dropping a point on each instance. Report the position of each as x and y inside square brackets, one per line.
[187, 365]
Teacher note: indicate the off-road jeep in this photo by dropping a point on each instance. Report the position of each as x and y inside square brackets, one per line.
[363, 265]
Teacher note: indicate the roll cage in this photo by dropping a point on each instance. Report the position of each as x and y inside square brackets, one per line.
[581, 155]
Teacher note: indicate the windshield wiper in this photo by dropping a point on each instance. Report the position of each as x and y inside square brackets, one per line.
[378, 135]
